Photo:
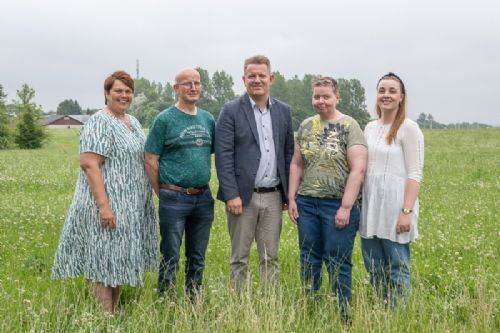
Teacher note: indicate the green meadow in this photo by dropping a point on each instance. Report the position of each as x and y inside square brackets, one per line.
[455, 264]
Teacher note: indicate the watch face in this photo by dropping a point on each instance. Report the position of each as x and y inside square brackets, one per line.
[406, 211]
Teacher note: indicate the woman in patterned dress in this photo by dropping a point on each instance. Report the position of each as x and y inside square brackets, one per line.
[390, 204]
[326, 172]
[109, 235]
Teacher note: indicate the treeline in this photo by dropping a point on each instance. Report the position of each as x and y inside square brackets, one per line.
[153, 97]
[20, 122]
[428, 121]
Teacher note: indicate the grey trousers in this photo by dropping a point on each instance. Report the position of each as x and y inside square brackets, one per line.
[260, 220]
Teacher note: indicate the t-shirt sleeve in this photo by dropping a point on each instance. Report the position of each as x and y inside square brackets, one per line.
[95, 137]
[355, 136]
[413, 148]
[155, 140]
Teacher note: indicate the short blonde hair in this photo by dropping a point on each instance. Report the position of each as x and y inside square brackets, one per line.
[326, 81]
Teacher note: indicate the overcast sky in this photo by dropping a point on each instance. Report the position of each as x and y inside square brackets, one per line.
[446, 51]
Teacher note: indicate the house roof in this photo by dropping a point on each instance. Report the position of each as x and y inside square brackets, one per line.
[82, 118]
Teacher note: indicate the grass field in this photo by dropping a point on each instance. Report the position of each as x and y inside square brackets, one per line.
[455, 264]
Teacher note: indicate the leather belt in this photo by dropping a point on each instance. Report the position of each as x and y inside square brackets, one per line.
[189, 190]
[267, 189]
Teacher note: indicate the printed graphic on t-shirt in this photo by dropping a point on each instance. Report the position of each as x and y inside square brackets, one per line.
[191, 136]
[323, 146]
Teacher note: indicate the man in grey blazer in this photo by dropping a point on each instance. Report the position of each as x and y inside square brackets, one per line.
[253, 149]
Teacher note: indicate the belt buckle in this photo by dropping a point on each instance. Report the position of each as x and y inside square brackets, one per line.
[193, 191]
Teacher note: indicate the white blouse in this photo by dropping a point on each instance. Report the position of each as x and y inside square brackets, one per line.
[389, 166]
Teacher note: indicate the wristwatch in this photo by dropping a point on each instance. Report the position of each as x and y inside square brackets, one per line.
[407, 211]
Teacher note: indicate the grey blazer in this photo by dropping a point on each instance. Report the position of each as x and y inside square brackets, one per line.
[237, 151]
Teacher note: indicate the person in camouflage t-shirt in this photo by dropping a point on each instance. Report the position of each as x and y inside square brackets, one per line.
[323, 145]
[178, 163]
[326, 173]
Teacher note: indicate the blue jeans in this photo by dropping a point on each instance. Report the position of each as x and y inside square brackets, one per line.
[320, 241]
[193, 214]
[388, 263]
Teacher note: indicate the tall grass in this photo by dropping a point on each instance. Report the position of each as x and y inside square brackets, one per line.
[455, 270]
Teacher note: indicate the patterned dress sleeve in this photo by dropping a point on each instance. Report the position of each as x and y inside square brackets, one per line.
[95, 137]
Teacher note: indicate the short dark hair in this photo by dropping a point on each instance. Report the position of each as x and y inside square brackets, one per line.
[117, 75]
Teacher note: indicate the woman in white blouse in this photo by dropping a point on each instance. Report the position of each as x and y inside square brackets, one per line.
[390, 203]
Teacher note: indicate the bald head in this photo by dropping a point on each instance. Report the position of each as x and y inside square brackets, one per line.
[186, 73]
[187, 87]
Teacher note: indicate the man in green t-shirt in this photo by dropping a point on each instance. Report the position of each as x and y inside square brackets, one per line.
[177, 161]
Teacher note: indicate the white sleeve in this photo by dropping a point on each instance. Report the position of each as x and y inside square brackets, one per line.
[413, 149]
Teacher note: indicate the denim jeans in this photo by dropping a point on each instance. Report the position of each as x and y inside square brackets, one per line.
[193, 214]
[320, 241]
[388, 264]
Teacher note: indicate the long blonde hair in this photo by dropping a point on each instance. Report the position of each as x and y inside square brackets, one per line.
[400, 114]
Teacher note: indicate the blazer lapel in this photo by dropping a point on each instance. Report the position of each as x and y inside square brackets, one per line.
[248, 111]
[276, 122]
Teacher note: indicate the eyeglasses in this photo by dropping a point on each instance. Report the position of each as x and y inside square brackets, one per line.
[189, 84]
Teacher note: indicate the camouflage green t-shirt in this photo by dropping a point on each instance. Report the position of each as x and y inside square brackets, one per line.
[323, 147]
[184, 143]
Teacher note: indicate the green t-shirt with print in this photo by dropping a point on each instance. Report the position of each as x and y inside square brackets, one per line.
[323, 147]
[184, 143]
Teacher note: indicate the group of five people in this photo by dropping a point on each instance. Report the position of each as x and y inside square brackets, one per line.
[110, 233]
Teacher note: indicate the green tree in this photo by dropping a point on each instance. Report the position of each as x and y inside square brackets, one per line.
[352, 100]
[69, 107]
[150, 99]
[5, 137]
[207, 100]
[278, 88]
[222, 89]
[421, 121]
[30, 132]
[167, 96]
[296, 93]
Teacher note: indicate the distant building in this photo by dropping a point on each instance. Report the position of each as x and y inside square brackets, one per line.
[63, 121]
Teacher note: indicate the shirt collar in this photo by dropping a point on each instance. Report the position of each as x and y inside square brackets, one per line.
[269, 103]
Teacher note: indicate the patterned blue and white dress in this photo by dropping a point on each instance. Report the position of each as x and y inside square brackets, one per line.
[118, 256]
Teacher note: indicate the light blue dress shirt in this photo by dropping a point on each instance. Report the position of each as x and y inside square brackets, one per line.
[267, 174]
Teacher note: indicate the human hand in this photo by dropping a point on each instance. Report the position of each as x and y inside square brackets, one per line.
[234, 206]
[404, 223]
[342, 217]
[106, 217]
[293, 212]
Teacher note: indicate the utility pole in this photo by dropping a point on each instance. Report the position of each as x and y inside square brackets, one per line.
[137, 69]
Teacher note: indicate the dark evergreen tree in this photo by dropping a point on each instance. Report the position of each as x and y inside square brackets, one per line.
[30, 132]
